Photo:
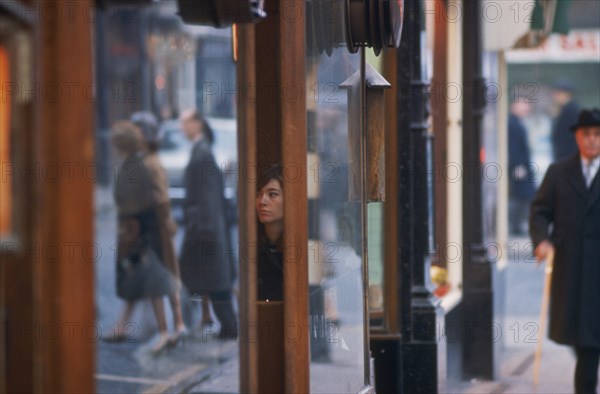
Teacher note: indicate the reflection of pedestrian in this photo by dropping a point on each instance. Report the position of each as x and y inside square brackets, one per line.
[521, 188]
[167, 228]
[563, 143]
[569, 201]
[206, 257]
[140, 273]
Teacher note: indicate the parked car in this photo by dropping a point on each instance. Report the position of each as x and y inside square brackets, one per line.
[175, 150]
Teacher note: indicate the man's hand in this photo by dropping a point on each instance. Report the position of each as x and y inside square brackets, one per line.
[542, 250]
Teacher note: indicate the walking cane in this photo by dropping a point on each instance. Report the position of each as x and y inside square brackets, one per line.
[543, 315]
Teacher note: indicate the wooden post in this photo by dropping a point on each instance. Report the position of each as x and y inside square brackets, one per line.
[292, 73]
[273, 77]
[247, 134]
[64, 285]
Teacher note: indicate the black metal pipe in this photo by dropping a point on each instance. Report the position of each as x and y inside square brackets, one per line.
[477, 303]
[417, 315]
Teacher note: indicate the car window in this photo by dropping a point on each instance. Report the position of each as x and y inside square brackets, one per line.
[173, 139]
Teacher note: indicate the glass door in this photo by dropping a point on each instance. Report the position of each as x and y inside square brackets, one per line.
[337, 243]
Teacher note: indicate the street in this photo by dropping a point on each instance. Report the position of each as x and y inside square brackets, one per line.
[129, 366]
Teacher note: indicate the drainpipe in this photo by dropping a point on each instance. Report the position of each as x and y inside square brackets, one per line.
[478, 313]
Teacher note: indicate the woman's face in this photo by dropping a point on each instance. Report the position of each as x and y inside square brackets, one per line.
[269, 203]
[191, 128]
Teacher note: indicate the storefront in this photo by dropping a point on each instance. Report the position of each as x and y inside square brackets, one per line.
[343, 95]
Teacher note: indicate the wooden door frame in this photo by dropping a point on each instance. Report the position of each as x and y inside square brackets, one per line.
[57, 306]
[272, 128]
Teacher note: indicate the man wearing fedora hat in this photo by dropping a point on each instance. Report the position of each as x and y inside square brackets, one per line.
[565, 217]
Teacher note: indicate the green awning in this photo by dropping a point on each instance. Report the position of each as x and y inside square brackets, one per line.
[551, 16]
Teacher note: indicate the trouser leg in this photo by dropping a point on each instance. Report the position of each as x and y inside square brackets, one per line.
[586, 370]
[223, 307]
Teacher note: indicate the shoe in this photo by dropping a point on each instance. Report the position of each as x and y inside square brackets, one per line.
[118, 338]
[228, 335]
[161, 346]
[177, 337]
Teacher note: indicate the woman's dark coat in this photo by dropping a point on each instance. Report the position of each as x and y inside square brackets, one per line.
[564, 201]
[206, 255]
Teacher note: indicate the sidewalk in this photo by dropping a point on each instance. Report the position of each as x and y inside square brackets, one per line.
[518, 333]
[130, 367]
[523, 291]
[516, 373]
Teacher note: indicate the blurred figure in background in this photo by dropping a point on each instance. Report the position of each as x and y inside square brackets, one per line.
[140, 272]
[206, 255]
[567, 110]
[521, 183]
[167, 228]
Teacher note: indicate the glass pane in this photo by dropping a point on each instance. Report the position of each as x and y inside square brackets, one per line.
[337, 346]
[165, 207]
[375, 250]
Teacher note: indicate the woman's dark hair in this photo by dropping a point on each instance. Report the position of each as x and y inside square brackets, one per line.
[268, 174]
[207, 131]
[147, 122]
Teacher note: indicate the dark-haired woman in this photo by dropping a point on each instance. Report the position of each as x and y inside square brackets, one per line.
[269, 208]
[206, 264]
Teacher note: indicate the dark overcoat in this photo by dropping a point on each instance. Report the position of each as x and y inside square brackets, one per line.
[206, 254]
[563, 140]
[573, 210]
[519, 156]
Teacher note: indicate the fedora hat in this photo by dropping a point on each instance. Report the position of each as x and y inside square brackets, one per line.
[587, 118]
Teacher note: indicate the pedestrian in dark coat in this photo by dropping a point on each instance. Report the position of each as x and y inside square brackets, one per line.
[563, 143]
[565, 216]
[521, 182]
[206, 256]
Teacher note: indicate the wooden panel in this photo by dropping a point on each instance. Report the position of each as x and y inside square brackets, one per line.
[273, 118]
[5, 156]
[18, 254]
[294, 149]
[375, 146]
[64, 128]
[246, 134]
[391, 204]
[268, 151]
[268, 88]
[271, 354]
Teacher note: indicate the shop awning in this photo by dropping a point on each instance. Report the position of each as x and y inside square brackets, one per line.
[551, 16]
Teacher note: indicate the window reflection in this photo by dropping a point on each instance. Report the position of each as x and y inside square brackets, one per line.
[147, 60]
[336, 316]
